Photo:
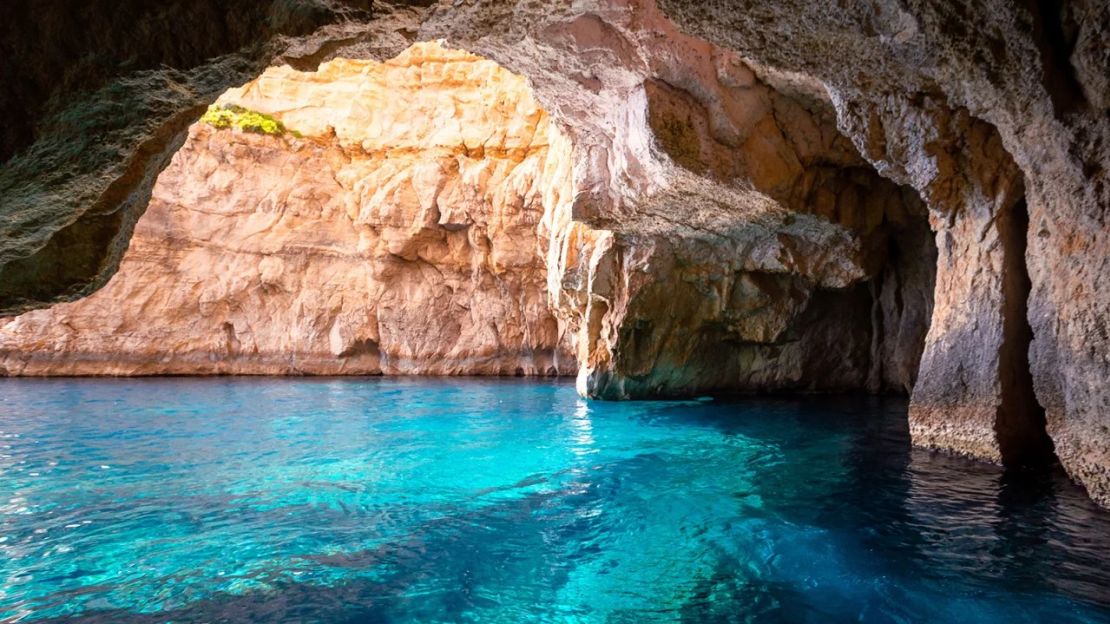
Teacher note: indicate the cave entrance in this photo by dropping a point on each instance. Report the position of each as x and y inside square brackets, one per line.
[902, 296]
[366, 217]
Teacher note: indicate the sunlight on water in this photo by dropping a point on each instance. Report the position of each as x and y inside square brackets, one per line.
[329, 500]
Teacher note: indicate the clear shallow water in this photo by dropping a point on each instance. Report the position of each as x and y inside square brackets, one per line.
[392, 500]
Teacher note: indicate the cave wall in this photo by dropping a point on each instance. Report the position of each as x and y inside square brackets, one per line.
[721, 224]
[97, 98]
[412, 214]
[924, 88]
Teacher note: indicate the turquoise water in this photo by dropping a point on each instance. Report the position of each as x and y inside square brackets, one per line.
[393, 500]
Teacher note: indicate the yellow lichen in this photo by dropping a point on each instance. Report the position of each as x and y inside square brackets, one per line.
[231, 116]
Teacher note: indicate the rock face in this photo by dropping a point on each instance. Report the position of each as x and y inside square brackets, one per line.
[997, 114]
[724, 235]
[91, 118]
[779, 195]
[366, 245]
[424, 224]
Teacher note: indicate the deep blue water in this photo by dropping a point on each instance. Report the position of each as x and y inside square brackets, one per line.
[394, 500]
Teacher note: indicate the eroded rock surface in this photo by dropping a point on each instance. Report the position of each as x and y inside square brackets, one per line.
[98, 97]
[724, 235]
[368, 244]
[419, 218]
[922, 88]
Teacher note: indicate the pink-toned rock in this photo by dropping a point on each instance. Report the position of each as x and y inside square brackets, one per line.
[373, 244]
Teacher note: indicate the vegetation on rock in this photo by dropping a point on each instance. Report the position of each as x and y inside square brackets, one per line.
[233, 116]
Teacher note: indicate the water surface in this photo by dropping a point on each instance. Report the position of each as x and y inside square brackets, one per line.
[394, 500]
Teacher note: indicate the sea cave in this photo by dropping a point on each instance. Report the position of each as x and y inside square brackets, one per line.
[495, 310]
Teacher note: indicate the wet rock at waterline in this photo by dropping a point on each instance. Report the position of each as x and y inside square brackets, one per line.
[996, 113]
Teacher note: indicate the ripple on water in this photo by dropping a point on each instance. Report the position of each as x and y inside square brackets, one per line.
[400, 500]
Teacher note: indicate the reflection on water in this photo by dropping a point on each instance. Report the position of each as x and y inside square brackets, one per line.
[386, 500]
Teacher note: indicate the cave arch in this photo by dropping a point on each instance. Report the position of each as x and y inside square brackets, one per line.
[362, 218]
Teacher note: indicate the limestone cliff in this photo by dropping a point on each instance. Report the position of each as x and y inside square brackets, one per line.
[403, 235]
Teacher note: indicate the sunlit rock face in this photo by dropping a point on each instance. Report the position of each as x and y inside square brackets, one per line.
[401, 233]
[724, 235]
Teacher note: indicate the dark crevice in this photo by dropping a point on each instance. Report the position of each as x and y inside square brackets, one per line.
[902, 300]
[875, 375]
[1020, 426]
[365, 347]
[1054, 33]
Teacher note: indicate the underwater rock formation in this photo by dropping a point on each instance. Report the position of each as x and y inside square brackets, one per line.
[762, 196]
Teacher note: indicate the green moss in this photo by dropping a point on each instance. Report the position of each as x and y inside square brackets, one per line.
[232, 116]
